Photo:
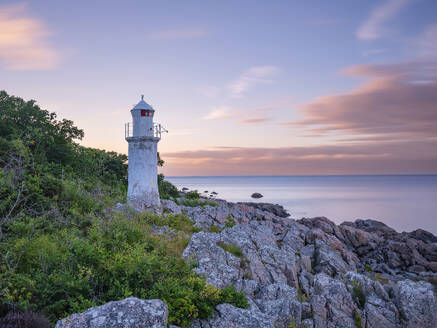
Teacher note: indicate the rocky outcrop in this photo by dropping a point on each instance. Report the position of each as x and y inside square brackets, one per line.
[128, 313]
[386, 251]
[256, 195]
[296, 273]
[314, 273]
[275, 209]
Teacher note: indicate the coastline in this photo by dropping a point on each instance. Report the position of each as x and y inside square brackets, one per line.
[404, 203]
[301, 273]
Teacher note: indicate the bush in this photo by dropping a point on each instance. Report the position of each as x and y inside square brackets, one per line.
[64, 247]
[166, 189]
[214, 228]
[230, 222]
[358, 293]
[196, 202]
[233, 249]
[24, 320]
[69, 271]
[192, 195]
[357, 319]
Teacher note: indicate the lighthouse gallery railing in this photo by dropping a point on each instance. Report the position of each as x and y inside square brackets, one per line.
[158, 129]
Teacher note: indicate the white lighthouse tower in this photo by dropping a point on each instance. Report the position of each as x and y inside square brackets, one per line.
[143, 136]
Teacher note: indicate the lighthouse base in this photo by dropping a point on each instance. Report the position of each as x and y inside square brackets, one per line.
[144, 201]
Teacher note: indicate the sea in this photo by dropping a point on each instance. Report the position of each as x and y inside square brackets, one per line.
[403, 202]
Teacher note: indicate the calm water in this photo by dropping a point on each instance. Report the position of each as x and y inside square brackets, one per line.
[403, 202]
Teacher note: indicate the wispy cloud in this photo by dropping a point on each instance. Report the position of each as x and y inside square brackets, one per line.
[23, 40]
[182, 33]
[220, 113]
[348, 158]
[373, 27]
[255, 120]
[427, 42]
[251, 77]
[252, 116]
[398, 102]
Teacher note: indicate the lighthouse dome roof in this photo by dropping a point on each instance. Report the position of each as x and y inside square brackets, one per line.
[143, 105]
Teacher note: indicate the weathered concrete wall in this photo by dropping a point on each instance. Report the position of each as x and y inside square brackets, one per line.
[142, 173]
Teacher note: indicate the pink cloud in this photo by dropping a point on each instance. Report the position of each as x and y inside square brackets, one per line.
[400, 100]
[23, 41]
[255, 120]
[409, 157]
[374, 26]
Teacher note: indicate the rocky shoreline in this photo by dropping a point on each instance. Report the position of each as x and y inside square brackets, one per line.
[296, 273]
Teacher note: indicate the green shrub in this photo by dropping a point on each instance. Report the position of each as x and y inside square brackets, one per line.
[357, 319]
[358, 293]
[197, 202]
[368, 268]
[214, 228]
[231, 248]
[230, 222]
[64, 247]
[166, 189]
[231, 296]
[193, 194]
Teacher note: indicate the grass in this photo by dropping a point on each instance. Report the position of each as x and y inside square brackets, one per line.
[301, 296]
[357, 319]
[358, 293]
[178, 222]
[214, 229]
[190, 202]
[231, 248]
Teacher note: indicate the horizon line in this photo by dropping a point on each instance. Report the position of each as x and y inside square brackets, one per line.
[296, 175]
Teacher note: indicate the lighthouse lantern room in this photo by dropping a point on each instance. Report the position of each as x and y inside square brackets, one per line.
[143, 136]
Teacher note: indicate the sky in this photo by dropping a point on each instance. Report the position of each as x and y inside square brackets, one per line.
[243, 87]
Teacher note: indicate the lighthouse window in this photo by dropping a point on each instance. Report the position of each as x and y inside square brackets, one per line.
[144, 112]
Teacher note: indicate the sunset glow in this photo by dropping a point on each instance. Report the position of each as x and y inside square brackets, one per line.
[244, 88]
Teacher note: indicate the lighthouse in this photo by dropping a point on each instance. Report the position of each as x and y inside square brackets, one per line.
[143, 136]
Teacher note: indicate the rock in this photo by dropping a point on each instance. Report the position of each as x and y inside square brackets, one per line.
[170, 206]
[336, 301]
[328, 260]
[130, 312]
[279, 301]
[372, 226]
[432, 266]
[417, 303]
[220, 268]
[305, 273]
[256, 195]
[378, 313]
[275, 209]
[229, 316]
[423, 235]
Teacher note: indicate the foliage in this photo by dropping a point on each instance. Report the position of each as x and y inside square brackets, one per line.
[214, 228]
[358, 293]
[24, 320]
[357, 319]
[302, 297]
[166, 189]
[64, 247]
[193, 194]
[231, 248]
[196, 202]
[230, 222]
